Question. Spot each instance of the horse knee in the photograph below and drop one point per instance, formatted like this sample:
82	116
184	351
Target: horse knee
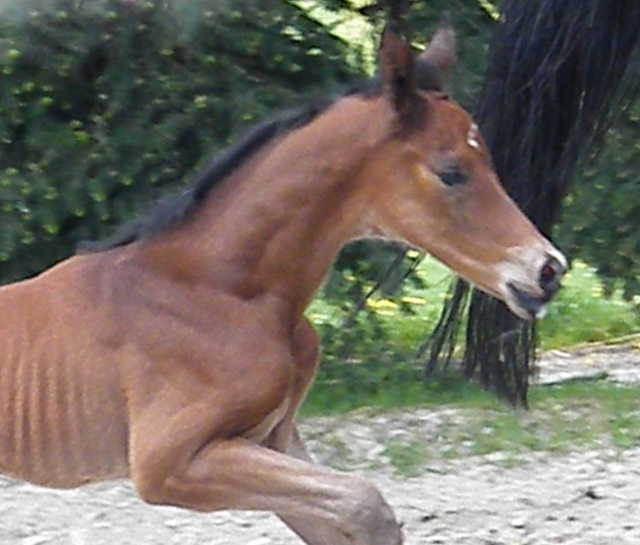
150	492
154	487
371	517
150	486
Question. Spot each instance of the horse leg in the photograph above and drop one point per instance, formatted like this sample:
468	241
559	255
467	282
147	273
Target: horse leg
240	475
287	439
184	452
311	531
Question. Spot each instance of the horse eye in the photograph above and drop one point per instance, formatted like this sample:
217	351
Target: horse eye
452	177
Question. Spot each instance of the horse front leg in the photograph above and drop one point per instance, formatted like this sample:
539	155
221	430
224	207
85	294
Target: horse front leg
286	439
190	451
322	506
312	531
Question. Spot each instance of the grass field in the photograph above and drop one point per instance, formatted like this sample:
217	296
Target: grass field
562	417
580	314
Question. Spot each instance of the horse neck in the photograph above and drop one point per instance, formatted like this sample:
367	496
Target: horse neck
276	225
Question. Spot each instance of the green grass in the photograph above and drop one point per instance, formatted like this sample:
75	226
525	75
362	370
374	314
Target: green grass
408	391
378	372
376	367
605	408
407	458
580	314
561	419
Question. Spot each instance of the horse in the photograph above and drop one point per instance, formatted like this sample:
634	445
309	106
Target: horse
177	353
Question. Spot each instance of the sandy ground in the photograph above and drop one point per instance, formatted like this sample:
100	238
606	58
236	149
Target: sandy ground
581	498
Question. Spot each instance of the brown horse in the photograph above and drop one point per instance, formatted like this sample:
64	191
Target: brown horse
178	354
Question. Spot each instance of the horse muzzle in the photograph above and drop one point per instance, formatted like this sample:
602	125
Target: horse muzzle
527	296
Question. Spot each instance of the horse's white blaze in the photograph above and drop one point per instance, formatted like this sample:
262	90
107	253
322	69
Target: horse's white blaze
473	136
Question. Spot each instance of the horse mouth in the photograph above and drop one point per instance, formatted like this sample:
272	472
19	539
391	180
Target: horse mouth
526	305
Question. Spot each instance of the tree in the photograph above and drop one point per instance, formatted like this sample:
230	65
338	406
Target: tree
106	104
602	215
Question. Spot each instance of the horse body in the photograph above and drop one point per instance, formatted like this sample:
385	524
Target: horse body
61	416
180	360
130	309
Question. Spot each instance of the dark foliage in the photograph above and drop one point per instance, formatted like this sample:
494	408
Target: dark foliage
175	209
106	105
601	217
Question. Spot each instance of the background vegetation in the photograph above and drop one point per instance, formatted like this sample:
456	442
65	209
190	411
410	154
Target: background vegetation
106	104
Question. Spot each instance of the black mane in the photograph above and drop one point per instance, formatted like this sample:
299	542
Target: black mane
172	211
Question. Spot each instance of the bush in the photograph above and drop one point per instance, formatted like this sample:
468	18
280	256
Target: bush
104	104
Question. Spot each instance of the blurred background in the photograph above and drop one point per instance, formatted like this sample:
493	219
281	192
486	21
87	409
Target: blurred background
106	105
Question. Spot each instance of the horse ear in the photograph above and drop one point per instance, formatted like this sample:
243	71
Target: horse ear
441	53
396	64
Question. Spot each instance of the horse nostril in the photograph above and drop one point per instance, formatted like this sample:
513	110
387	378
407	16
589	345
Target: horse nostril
550	275
547	274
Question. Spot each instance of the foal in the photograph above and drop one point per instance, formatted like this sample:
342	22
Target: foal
178	354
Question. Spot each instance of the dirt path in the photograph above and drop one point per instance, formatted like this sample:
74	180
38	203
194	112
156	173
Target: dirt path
582	498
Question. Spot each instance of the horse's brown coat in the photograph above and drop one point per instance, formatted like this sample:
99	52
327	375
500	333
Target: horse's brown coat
180	361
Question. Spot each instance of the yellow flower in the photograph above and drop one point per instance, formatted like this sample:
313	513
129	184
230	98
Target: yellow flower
414	300
384	307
